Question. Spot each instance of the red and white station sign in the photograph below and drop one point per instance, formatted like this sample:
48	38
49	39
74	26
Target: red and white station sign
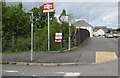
58	37
48	7
58	40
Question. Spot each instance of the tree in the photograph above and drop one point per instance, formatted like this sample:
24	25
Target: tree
63	12
20	5
109	31
16	29
15	24
40	17
15	21
71	18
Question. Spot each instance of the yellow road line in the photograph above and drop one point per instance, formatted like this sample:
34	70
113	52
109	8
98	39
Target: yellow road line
105	56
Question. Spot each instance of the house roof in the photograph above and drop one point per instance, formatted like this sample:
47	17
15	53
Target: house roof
104	29
82	23
96	30
99	27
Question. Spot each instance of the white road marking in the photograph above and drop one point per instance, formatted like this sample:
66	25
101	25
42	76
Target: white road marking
72	74
45	72
69	73
33	75
11	71
60	72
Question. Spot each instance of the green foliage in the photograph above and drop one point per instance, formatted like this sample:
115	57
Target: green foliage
63	12
20	5
41	39
109	31
40	17
15	21
22	44
16	30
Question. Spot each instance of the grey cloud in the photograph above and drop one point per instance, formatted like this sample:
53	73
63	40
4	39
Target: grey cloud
91	11
94	12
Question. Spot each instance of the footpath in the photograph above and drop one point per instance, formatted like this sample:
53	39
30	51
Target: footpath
44	58
50	58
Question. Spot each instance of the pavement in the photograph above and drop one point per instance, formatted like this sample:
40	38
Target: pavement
105	56
84	54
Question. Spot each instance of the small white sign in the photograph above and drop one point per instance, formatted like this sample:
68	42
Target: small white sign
64	18
48	10
58	33
58	37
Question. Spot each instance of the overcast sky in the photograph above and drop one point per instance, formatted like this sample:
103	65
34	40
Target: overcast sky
96	13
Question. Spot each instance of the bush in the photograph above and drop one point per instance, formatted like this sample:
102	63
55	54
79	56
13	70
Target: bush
19	44
22	44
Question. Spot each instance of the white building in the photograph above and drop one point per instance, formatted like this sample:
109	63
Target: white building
84	25
99	32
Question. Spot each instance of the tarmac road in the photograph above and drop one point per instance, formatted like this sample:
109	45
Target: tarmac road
101	69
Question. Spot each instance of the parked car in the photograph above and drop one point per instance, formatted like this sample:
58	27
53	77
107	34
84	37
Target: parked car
102	36
109	36
115	34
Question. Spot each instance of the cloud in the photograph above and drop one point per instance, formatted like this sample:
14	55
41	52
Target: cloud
96	13
109	19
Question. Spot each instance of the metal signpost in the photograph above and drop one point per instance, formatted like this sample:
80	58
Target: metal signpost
31	19
69	37
65	18
48	7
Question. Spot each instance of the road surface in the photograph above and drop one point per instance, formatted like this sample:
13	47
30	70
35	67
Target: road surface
102	69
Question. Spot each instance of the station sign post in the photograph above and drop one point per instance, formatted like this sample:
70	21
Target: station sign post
66	18
48	7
